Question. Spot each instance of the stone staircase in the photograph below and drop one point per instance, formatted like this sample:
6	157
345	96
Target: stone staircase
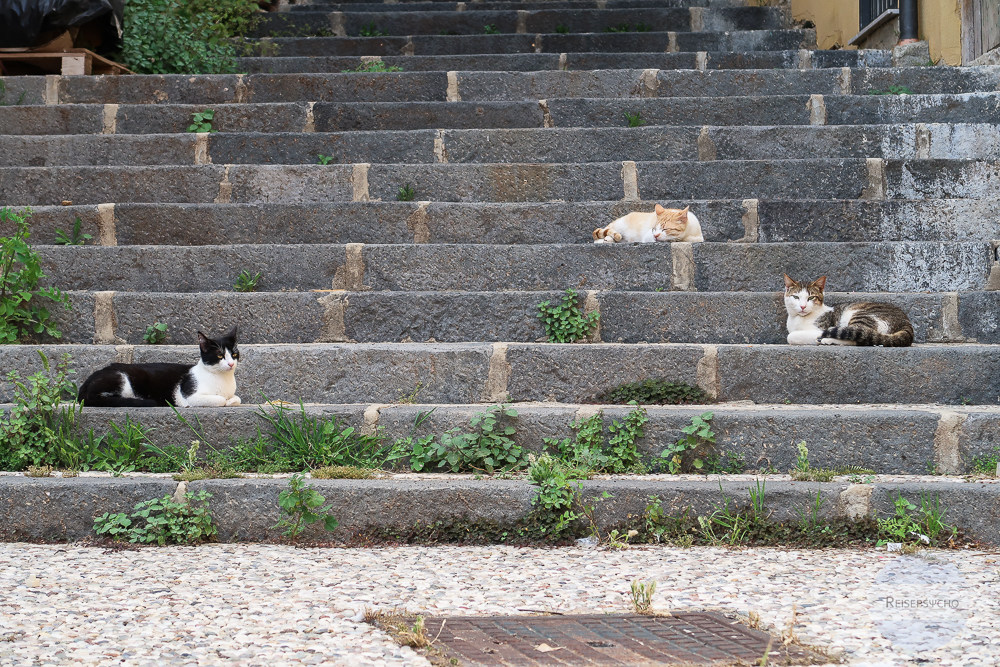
516	147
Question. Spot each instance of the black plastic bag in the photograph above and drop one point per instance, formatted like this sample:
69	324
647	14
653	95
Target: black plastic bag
29	23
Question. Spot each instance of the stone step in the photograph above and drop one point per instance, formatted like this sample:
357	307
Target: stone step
541	145
974	109
904	266
515	223
899	439
574	373
526	62
212	89
372	511
847	178
492	316
531	21
447	45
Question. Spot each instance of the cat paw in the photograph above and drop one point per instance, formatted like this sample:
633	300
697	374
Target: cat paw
829	341
235	400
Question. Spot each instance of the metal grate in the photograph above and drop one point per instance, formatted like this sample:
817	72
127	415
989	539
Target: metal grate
870	10
690	638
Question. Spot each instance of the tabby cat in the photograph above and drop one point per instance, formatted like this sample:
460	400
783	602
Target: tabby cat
662	224
811	322
209	383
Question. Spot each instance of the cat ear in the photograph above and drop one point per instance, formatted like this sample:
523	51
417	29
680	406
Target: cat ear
660	210
820	282
233	332
684	213
203	341
788	281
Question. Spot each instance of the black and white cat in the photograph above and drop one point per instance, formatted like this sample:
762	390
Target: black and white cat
209	383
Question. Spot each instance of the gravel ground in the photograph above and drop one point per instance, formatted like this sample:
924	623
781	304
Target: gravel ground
232	604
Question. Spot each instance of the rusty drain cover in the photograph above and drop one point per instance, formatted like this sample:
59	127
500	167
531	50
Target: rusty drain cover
688	638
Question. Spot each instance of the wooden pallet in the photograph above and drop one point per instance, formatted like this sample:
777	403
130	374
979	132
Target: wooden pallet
67	62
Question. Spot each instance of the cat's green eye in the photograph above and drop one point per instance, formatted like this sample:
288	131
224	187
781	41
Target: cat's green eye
814	298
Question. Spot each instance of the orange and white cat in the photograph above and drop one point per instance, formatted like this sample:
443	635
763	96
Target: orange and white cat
662	224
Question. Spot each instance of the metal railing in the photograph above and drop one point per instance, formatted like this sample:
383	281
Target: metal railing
869	10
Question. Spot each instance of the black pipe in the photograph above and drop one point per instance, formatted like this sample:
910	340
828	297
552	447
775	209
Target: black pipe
907	21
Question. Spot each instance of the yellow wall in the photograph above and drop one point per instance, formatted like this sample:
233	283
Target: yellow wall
836	21
940	23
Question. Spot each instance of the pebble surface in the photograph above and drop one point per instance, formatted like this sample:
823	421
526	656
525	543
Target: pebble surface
252	604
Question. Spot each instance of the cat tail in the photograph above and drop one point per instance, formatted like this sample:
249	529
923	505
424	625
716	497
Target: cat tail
866	336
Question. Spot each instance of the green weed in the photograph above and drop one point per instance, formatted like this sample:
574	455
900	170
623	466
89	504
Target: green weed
406	193
634	119
566	322
162	521
487	446
74	237
688	452
891	90
302	505
155	333
372	66
201	121
655	392
245	282
370	30
23	310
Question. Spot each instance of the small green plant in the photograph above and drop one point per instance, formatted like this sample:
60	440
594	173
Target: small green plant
23	310
488	446
987	464
688	451
155	333
245	282
557	495
804	472
186	37
302	505
201	121
561	29
566	322
372	66
655	392
306	443
621	27
726	463
406	193
490	29
634	119
584	453
370	30
891	90
324	159
642	27
926	525
642	595
162	521
36	429
620	540
623	455
38	471
74	237
411	398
